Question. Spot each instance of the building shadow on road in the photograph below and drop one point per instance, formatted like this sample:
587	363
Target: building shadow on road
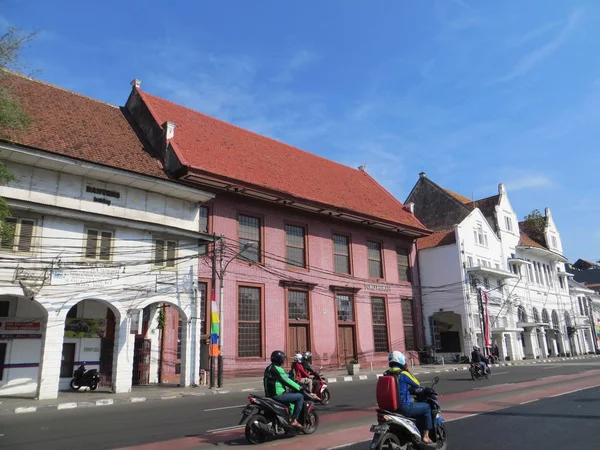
527	415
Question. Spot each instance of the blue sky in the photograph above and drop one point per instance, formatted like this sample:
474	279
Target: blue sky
471	92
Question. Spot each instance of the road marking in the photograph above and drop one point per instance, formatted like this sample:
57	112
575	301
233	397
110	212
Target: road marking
347	378
25	409
500	373
551	367
529	401
249	390
105	401
491	387
572	392
67	405
224	407
218	430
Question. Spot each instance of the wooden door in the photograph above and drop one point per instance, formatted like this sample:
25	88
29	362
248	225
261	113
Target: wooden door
67	360
346	344
297	340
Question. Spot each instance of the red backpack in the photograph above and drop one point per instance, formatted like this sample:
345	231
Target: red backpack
387	392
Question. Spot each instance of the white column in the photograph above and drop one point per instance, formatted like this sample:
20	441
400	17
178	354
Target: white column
187	354
530	344
51	358
123	356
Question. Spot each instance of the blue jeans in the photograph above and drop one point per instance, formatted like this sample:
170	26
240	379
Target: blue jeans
292	397
483	367
420	411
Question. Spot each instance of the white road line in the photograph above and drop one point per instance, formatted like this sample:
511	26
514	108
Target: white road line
529	401
491	387
218	430
572	392
500	373
224	407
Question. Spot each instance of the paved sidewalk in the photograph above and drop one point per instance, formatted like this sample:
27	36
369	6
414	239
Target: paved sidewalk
85	399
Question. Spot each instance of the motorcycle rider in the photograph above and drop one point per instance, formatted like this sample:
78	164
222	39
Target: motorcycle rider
306	363
478	358
301	375
407	384
276	381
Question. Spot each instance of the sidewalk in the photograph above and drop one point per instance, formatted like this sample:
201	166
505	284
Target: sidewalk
139	394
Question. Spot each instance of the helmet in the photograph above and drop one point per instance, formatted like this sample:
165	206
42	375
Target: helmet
475	348
306	356
277	357
298	357
396	357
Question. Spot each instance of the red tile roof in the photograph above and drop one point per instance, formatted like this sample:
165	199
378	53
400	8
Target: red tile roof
460	198
76	126
527	241
223	150
436	240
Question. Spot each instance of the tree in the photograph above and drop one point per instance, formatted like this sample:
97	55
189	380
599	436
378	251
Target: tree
12	116
535	224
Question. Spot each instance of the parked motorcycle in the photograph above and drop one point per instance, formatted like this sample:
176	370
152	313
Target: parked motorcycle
477	371
394	431
267	418
320	388
81	377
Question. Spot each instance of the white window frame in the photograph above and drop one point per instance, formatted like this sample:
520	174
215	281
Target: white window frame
15	244
481	238
164	261
100	232
508	223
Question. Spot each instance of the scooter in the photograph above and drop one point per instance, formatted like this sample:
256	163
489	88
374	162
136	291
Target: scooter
81	377
320	388
394	431
267	418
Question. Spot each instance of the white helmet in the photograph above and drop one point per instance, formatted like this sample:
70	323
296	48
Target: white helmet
298	357
397	357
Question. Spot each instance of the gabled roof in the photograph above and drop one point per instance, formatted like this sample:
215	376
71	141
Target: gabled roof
527	241
225	151
79	127
436	240
532	241
460	198
487	205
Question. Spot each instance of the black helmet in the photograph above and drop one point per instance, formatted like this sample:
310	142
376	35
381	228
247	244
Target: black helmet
277	357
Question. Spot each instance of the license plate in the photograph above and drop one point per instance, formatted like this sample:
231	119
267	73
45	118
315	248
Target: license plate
379	428
247	411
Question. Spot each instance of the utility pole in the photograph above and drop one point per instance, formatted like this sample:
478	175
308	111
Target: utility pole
221	315
481	317
212	297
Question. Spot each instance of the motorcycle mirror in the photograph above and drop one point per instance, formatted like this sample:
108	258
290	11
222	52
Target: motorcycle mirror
436	380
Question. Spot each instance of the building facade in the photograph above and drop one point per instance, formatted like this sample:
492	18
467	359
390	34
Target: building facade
483	258
315	255
102	243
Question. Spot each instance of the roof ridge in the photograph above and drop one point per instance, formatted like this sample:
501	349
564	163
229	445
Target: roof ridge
54	86
246	130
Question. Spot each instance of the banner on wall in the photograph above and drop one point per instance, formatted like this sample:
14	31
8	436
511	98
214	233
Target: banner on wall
85	328
19	326
598	329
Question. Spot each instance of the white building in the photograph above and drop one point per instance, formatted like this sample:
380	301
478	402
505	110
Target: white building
481	245
584	322
101	235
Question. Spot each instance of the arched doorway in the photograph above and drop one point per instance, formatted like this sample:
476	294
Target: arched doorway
22	329
90	337
161	352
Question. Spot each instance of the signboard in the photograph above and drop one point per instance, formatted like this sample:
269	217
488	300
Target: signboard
85	328
90	277
378	287
102	195
19	326
8	337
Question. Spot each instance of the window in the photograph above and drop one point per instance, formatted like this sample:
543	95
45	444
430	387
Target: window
179	336
249	322
508	223
469	261
67	361
500	286
480	236
537	272
297	305
403	264
72	313
530	272
345	308
165	253
380	332
295	246
249	238
341	253
2	359
561	282
374	253
204	228
554	243
5	308
205	318
407	321
20	239
98	245
486	283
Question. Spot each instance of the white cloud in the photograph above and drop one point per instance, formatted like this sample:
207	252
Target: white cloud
299	61
529	181
529	61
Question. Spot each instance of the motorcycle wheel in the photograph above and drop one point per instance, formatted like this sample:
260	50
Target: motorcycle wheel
94	386
74	386
473	375
311	423
326	397
441	437
487	376
391	442
252	432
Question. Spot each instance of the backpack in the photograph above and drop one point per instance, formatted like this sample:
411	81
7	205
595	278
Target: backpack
387	392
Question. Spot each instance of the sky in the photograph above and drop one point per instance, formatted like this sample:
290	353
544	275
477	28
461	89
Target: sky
473	93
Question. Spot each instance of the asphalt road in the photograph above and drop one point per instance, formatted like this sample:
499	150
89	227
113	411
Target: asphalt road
568	422
113	427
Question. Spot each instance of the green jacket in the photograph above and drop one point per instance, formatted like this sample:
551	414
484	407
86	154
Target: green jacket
276	380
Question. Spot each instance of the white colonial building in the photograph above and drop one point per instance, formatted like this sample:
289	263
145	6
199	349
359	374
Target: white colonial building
480	246
102	241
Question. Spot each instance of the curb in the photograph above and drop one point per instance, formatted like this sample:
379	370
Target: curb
217	391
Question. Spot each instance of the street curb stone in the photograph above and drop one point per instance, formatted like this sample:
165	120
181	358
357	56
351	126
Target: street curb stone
342	379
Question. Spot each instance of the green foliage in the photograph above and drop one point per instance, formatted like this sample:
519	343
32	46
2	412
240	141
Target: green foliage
162	316
535	223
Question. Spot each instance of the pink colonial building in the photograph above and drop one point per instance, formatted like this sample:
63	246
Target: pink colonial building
318	256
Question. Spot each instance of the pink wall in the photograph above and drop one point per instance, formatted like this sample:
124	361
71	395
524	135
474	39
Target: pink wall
322	304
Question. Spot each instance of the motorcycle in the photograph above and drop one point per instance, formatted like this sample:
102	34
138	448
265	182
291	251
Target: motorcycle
267	418
394	431
81	377
477	372
320	388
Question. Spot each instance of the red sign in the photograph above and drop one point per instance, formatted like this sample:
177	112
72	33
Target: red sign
8	337
17	326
